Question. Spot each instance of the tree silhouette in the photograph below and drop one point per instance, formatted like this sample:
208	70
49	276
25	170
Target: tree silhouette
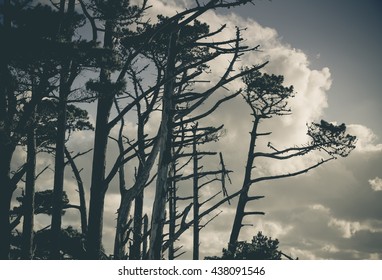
267	97
261	247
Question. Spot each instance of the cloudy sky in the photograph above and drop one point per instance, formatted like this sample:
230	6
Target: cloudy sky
330	52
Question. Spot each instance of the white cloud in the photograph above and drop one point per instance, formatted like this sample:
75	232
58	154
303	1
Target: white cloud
330	248
366	139
348	229
375	256
320	208
376	184
274	229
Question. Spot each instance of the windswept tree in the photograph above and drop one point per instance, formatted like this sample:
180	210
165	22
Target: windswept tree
267	97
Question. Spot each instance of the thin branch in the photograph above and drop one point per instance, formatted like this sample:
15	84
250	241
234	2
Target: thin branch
267	178
210	220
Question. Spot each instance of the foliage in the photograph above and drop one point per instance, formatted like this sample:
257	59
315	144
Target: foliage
77	119
43	202
72	244
260	248
266	94
331	138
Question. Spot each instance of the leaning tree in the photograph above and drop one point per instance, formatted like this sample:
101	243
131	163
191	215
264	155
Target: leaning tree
266	97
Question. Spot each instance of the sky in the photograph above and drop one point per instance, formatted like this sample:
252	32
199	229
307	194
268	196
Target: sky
344	36
330	52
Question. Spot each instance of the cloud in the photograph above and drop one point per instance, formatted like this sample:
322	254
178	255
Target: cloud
330	248
348	229
376	184
320	208
366	139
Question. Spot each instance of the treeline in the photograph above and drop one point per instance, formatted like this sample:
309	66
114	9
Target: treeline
58	55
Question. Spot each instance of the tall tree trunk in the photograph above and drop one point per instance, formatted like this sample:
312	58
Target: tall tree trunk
59	164
81	192
136	253
195	254
137	231
145	236
172	213
28	202
5	199
6	146
243	198
158	212
98	185
59	169
121	231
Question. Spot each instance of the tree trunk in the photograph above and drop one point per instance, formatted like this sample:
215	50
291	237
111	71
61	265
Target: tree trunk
59	164
172	213
195	199
98	185
6	147
5	199
137	232
145	236
121	231
136	253
59	170
81	192
158	212
243	198
28	202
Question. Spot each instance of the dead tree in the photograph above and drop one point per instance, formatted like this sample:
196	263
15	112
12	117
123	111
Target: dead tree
267	97
157	218
185	153
140	147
